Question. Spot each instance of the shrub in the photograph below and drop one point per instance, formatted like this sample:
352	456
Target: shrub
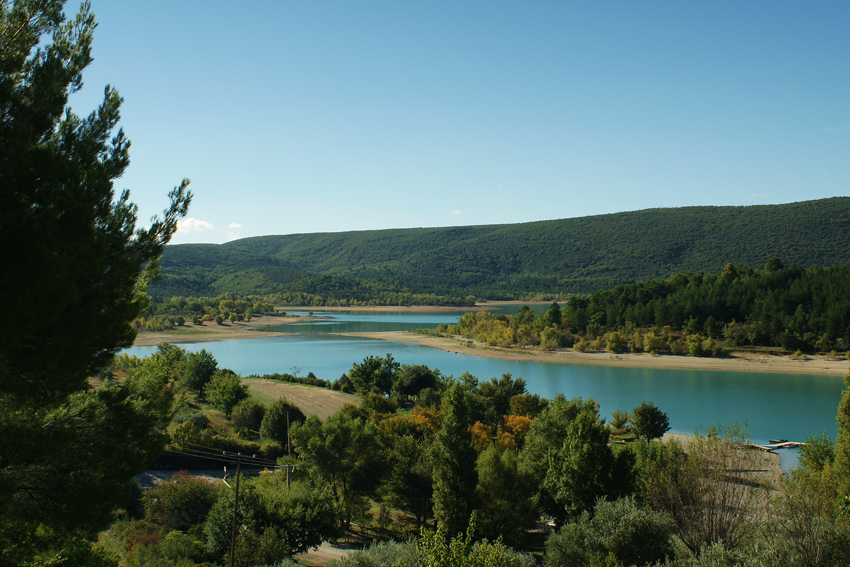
181	502
616	342
274	424
380	554
621	529
619	419
247	416
197	418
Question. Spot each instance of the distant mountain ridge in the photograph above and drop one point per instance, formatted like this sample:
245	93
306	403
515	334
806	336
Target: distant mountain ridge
557	256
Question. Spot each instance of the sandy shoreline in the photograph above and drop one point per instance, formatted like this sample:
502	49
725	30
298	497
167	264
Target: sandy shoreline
402	308
210	331
740	362
736	362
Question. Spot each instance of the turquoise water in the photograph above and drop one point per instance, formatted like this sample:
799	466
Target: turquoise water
791	406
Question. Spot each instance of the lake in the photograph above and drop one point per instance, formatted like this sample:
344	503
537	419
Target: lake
774	405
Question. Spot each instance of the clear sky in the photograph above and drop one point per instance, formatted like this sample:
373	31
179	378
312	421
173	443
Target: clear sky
299	117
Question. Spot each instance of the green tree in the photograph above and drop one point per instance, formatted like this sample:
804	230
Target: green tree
248	416
75	270
498	395
648	422
504	494
408	484
841	467
529	405
543	444
343	454
552	316
413	378
619	419
274	521
453	459
224	390
816	453
274	425
581	471
374	374
196	370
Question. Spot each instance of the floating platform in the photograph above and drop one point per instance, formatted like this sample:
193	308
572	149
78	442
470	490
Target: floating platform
771	448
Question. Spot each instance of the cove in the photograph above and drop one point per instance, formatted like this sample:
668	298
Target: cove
774	405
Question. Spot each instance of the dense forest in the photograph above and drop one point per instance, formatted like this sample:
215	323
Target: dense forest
547	258
791	308
705	314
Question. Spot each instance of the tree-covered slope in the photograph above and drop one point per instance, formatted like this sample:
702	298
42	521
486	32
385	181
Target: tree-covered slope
211	269
568	255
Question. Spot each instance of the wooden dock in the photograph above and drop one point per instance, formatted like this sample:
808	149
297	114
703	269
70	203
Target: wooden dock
771	448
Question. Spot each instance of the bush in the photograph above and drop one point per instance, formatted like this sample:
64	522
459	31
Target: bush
196	418
274	425
630	533
344	384
436	550
181	502
717	555
247	416
379	555
310	379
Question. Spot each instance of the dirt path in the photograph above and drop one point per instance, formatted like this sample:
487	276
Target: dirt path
325	553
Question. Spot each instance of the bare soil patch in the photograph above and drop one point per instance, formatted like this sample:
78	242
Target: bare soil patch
310	400
211	331
760	460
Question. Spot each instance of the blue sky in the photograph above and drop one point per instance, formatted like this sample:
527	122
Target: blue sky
300	117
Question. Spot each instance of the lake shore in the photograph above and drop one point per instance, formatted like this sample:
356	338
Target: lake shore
211	331
736	362
416	308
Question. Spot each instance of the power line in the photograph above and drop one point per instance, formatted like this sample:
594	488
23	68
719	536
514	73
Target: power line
222	457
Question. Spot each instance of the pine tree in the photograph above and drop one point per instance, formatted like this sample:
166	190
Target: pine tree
841	466
75	270
454	460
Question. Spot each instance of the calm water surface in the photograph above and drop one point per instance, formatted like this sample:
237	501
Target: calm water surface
792	406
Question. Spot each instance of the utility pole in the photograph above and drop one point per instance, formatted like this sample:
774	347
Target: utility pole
235	511
289	445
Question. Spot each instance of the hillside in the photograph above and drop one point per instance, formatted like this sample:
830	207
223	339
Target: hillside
558	256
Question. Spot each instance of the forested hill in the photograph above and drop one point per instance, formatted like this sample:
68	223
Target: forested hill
570	255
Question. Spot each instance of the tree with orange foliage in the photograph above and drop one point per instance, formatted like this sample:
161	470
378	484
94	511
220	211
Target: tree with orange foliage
482	436
513	431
